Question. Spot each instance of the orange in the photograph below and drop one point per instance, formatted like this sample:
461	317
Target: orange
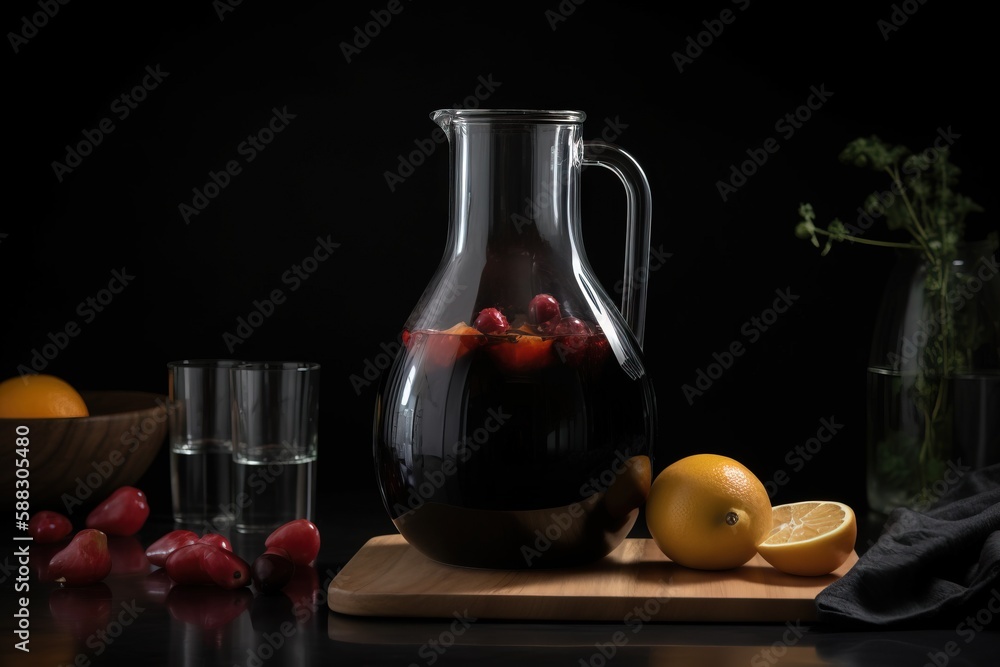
810	538
33	396
708	512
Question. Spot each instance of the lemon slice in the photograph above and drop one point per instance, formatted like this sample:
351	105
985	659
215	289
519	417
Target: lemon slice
810	538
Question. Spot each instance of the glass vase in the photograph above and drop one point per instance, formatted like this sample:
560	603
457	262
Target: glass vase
934	377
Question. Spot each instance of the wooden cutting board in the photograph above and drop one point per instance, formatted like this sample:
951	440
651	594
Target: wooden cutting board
635	582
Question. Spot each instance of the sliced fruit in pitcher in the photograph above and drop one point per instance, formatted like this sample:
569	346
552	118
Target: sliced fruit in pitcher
521	353
443	348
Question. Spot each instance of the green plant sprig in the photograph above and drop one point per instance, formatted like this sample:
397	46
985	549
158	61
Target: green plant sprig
922	202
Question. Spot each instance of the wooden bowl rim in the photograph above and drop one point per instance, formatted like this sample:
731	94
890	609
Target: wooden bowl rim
103	416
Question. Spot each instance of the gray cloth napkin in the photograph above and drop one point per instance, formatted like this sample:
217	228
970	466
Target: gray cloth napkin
927	568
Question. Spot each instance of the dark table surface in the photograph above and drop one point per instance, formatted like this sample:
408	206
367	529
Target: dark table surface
132	619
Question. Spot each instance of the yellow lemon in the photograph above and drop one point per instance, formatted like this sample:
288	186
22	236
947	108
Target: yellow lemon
33	396
810	538
708	512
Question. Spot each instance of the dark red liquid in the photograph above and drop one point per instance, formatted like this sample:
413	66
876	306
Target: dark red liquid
499	451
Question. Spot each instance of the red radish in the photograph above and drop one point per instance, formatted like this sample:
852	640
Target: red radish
158	551
206	564
216	540
85	560
272	570
122	513
47	527
299	537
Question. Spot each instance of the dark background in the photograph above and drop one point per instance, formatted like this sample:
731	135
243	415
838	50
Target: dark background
324	176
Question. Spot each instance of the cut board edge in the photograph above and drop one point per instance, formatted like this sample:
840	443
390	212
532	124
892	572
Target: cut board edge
347	595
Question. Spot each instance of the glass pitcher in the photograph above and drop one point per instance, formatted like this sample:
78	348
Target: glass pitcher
515	427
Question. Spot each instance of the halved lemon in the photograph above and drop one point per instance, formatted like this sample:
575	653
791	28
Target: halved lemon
810	538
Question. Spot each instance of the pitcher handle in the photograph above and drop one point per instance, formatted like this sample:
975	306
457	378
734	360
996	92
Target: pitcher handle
637	231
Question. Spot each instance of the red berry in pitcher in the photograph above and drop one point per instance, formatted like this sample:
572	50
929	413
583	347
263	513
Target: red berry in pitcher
158	551
206	564
491	321
572	338
272	570
85	560
543	309
122	513
47	527
300	538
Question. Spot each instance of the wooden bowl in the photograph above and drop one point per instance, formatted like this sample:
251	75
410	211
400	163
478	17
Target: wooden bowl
77	461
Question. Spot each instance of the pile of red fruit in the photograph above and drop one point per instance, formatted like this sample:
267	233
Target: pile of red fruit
87	559
183	555
209	559
548	336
